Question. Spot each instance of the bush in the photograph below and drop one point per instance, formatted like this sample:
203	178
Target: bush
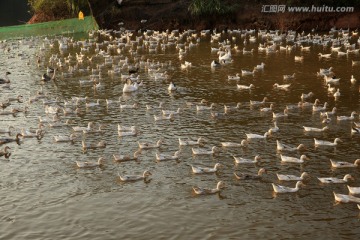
211	7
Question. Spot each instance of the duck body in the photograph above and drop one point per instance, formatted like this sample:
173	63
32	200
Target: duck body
326	143
284	147
199	151
342	164
90	164
199	170
313	129
240	160
346	178
188	142
293	159
232	144
343	198
205	191
101	144
283	189
150	145
166	157
62	138
353	190
125	158
288	177
256	136
249	176
131	178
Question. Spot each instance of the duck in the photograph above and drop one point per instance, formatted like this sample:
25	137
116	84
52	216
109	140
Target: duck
352	79
6	79
9	140
254	103
346	198
283	189
215	64
7	130
5	152
85	146
353	190
319	108
164	117
327	143
129	87
129	106
284	147
229	109
200	151
274	129
289	77
287	177
39	133
202	108
234	78
257	136
204	191
247	72
93	104
267	109
124	158
282	86
248	176
80	129
131	178
281	115
240	160
147	145
293	159
47	78
168	112
305	96
63	138
337	93
199	170
245	87
347	118
189	142
165	157
345	179
172	87
243	143
87	164
328	114
160	106
124	133
313	129
343	164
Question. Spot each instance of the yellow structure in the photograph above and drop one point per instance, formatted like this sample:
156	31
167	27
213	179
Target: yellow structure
81	15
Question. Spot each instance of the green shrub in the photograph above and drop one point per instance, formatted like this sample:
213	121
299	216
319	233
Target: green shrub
210	7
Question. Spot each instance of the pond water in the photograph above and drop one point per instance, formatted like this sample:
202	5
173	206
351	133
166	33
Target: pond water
44	195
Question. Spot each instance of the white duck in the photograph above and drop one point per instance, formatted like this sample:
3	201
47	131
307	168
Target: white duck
202	108
293	159
281	115
248	176
93	104
287	177
165	157
204	191
352	79
347	118
168	112
283	189
345	179
245	87
243	143
267	109
124	158
80	129
164	117
255	103
85	146
342	164
313	129
199	170
129	87
172	87
234	78
305	96
257	136
282	86
188	142
327	143
200	151
288	77
346	198
146	145
62	138
130	178
90	164
284	147
320	108
353	190
240	160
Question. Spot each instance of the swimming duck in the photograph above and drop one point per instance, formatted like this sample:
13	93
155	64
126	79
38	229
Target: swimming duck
293	159
240	160
283	147
346	118
149	107
6	80
282	86
130	178
342	164
47	78
247	72
93	104
352	79
165	157
200	151
124	133
129	86
320	108
168	112
326	143
5	152
124	158
229	109
288	77
90	164
8	130
164	117
232	144
215	64
62	138
245	87
199	170
305	96
283	189
248	176
101	144
204	191
353	190
274	129
328	114
188	142
345	179
129	106
202	108
172	87
286	177
150	145
280	115
234	78
257	136
254	103
312	129
80	129
267	109
8	140
346	198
